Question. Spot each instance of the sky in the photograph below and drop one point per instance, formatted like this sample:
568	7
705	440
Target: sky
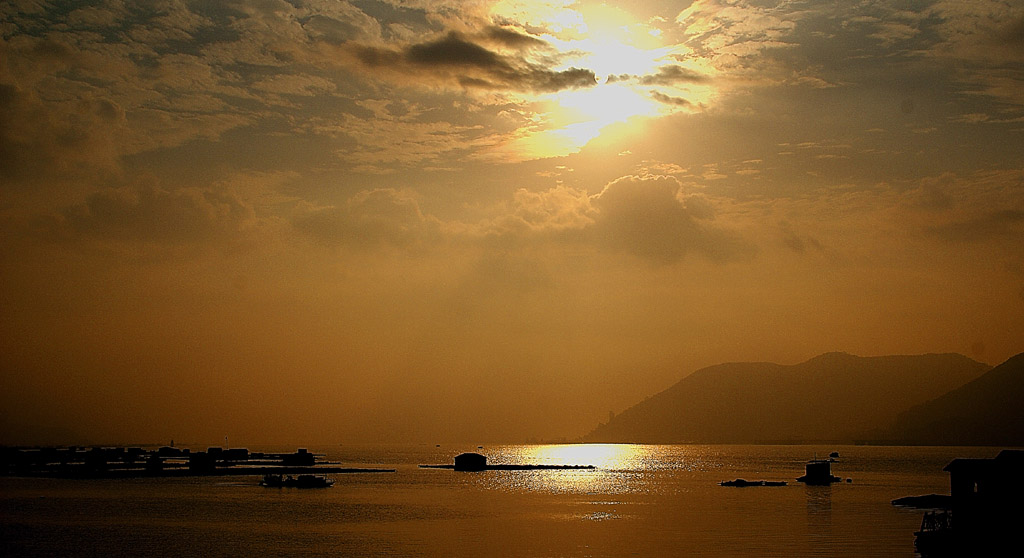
324	221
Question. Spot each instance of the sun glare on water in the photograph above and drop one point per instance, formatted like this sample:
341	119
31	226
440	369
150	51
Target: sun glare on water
601	456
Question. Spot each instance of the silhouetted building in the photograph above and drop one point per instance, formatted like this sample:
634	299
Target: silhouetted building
154	464
235	454
202	462
302	458
984	507
818	471
470	462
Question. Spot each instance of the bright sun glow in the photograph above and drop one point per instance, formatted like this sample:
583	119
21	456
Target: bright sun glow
619	50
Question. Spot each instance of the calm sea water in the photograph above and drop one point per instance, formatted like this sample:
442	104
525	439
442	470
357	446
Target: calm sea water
642	500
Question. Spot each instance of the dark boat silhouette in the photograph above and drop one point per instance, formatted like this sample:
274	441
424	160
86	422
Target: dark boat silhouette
301	481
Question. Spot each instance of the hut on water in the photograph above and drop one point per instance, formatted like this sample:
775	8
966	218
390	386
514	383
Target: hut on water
470	462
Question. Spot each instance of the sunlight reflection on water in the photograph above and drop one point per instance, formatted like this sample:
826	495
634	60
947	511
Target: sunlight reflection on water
611	457
618	468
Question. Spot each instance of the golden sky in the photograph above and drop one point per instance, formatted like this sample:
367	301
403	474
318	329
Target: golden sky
331	221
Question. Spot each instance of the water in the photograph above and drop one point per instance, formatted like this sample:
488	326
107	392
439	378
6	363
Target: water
642	500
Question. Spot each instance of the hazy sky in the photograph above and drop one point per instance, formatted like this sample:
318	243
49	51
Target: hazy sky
319	220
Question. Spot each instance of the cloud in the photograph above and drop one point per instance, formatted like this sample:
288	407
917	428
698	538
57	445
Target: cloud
455	57
149	213
647	217
370	218
511	38
984	37
672	75
38	143
728	27
651	218
453	50
560	209
669	99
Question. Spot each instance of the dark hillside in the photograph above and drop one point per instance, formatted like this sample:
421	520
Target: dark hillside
834	396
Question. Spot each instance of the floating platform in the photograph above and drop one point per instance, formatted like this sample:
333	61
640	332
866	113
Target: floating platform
744	482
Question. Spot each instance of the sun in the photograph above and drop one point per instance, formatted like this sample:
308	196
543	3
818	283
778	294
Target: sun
618	49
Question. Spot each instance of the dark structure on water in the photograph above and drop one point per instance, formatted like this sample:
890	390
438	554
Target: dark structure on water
167	461
474	462
984	511
470	462
818	472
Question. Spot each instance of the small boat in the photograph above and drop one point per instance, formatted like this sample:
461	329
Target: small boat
301	481
834	455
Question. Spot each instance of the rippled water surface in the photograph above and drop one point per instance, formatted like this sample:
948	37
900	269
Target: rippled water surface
641	500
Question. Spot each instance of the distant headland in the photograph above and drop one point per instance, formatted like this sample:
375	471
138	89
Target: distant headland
834	398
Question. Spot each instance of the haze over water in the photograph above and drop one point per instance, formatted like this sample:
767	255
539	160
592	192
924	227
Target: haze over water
640	501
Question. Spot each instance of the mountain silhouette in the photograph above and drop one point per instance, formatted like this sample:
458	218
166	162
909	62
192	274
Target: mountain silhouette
832	397
986	411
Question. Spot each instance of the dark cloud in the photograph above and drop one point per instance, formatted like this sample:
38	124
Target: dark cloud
669	100
573	78
472	65
673	75
377	57
513	39
453	50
